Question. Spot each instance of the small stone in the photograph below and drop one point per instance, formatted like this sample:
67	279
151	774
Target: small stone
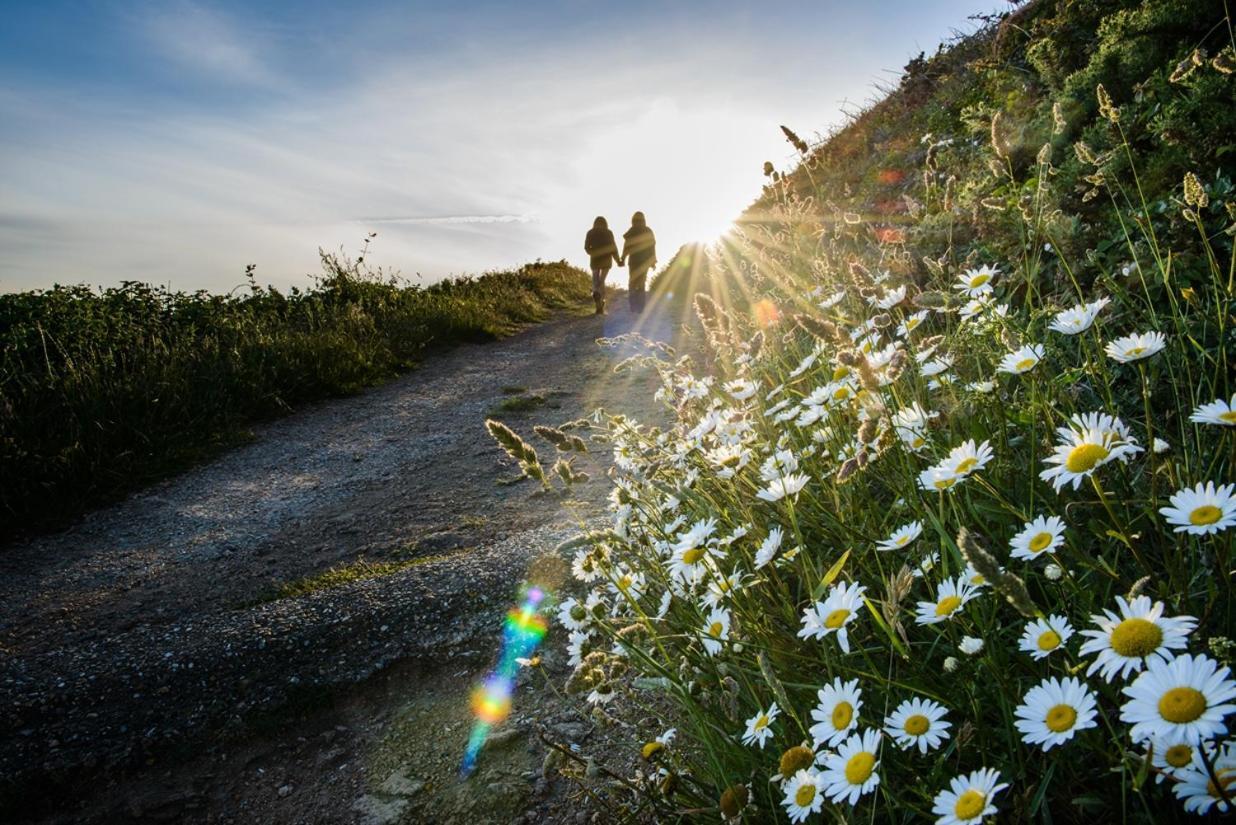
285	791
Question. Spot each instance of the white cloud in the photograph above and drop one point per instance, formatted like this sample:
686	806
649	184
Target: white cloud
207	42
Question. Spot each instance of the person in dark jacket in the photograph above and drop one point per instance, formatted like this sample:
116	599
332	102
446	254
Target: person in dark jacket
639	253
602	250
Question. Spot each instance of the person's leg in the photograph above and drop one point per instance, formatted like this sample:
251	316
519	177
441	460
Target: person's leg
598	289
635	291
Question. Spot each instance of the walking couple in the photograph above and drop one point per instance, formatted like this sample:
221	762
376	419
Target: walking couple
639	254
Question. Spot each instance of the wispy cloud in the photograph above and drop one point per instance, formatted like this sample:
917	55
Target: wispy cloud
208	42
449	219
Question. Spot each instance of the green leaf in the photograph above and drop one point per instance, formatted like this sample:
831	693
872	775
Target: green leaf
892	637
831	575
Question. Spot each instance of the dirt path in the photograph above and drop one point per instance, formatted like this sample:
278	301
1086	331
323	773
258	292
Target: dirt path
142	647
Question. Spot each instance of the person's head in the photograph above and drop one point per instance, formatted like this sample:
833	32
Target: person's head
600	223
638	219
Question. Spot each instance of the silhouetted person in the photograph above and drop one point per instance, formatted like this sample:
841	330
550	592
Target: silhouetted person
600	245
639	252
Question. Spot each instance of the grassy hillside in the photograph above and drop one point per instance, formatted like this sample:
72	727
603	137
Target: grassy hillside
945	528
103	392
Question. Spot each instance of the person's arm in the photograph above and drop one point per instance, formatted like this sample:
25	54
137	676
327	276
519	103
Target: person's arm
588	243
653	248
622	259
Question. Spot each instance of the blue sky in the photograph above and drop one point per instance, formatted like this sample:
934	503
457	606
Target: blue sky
176	142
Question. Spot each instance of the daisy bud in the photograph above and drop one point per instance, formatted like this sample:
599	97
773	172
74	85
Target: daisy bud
733	801
797	758
970	645
1161	446
950	664
1053	572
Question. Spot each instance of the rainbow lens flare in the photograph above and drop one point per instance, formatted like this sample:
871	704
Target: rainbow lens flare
522	633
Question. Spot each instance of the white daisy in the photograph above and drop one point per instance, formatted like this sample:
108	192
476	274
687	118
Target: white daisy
918	723
1042	637
1202	510
850	773
938	479
1135	347
970	645
837	712
982	387
1039	538
974	282
833	614
1183	700
741	388
716	631
951	597
1053	710
968	799
782	487
1139	635
1170	757
1021	360
911	323
1218	412
1199	791
1079	318
758	726
902	536
1079	452
968	458
689	564
891	298
803	795
769	547
832	300
572	615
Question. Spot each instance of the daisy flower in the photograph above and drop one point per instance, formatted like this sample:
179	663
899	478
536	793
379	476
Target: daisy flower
970	645
803	795
1042	637
968	799
832	300
1183	700
833	614
782	487
1171	757
952	595
983	387
1135	347
902	536
769	547
1038	538
572	615
716	630
689	564
1202	510
837	712
1079	453
911	323
741	389
1139	635
975	282
758	730
891	298
1079	318
918	723
851	772
1053	710
1198	790
968	458
1021	360
938	479
1216	412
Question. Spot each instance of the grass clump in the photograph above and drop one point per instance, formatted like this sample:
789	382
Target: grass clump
947	498
102	392
359	570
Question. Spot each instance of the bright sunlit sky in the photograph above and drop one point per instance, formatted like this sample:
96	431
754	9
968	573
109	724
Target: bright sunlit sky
176	142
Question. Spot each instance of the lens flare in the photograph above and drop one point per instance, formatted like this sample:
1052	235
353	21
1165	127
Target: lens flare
522	632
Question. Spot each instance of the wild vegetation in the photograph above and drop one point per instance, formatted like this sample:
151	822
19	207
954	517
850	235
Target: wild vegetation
102	392
944	526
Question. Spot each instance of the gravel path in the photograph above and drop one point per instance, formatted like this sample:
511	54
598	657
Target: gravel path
147	629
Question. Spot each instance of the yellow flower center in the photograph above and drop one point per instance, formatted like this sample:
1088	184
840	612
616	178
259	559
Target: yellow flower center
624	583
693	555
843	714
1083	457
911	323
970	804
762	722
901	541
1182	705
1227	777
916	725
1048	640
1040	542
841	393
1229	417
1136	638
979	280
836	619
1135	350
1178	756
1206	514
1061	718
795	759
840	372
859	767
1025	364
944	483
918	441
804	795
947	605
967	465
714	630
650	749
